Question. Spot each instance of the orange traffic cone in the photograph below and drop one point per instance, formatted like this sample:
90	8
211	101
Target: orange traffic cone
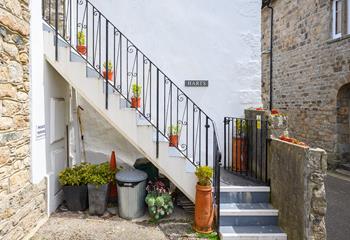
113	186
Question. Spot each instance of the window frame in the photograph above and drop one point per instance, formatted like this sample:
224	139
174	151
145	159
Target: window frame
334	18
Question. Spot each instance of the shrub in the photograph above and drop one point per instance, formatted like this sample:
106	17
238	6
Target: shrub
75	176
174	129
136	90
109	64
81	38
100	174
204	175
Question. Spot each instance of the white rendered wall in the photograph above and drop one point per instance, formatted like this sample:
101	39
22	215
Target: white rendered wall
37	118
210	40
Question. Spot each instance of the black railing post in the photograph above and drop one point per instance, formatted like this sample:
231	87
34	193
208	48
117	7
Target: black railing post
106	64
206	139
225	132
157	150
56	29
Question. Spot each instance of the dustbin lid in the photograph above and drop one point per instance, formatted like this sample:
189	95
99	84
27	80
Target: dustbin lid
131	176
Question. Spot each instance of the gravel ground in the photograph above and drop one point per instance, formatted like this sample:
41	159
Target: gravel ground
81	226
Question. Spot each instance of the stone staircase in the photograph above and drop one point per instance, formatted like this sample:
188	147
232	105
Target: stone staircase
245	214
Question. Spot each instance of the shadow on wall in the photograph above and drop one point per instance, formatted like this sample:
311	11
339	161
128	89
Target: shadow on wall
101	138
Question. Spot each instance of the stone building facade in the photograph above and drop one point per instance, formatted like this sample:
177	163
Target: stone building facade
22	204
311	72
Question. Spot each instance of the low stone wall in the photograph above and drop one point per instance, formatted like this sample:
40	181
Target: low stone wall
297	189
22	204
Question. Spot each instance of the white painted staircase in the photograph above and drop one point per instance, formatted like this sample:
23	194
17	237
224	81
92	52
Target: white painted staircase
127	121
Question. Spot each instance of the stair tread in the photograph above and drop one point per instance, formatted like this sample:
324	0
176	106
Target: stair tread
343	172
246	206
251	230
345	166
244	189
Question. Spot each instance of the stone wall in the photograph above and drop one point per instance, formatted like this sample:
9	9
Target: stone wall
22	204
309	68
297	189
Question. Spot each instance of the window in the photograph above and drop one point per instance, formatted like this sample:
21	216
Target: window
337	19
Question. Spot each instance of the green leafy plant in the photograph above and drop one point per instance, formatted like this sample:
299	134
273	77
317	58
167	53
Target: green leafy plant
136	90
174	130
75	176
109	64
100	174
158	200
209	236
204	175
81	38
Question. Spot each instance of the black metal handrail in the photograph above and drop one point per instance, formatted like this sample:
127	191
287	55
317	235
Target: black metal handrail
128	71
245	148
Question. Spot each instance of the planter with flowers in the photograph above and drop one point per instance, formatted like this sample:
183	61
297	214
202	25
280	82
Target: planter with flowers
174	133
98	178
81	48
159	200
136	99
75	191
109	75
204	210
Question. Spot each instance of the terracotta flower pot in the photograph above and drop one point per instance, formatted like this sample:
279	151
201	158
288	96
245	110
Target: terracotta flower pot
81	50
173	140
110	75
135	102
204	211
239	154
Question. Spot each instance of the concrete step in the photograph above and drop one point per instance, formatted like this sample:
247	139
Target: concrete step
252	233
248	214
244	194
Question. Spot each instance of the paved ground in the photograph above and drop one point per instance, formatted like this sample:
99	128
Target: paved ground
338	208
65	225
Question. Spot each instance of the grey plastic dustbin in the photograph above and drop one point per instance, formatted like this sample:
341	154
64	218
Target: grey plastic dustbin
131	186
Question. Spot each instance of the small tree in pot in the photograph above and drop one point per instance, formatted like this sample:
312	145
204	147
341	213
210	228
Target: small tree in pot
204	211
98	178
136	99
81	48
174	132
108	74
75	190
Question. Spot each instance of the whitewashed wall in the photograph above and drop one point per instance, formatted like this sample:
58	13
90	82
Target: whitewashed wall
210	40
37	106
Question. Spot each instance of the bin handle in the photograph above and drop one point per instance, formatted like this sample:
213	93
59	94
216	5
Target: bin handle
127	184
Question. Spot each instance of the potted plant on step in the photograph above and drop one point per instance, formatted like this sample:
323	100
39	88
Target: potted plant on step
239	146
81	48
204	210
136	99
174	132
158	200
98	178
75	190
110	71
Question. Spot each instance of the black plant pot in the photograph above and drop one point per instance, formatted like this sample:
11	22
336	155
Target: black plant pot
76	197
97	199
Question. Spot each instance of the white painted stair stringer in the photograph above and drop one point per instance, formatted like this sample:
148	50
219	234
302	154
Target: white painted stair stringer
123	120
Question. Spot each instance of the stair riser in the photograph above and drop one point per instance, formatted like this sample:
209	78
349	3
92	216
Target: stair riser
262	237
248	220
244	197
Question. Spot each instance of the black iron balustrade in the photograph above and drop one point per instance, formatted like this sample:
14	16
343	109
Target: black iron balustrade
124	68
245	147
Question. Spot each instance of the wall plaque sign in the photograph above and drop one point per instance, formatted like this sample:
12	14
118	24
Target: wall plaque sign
196	83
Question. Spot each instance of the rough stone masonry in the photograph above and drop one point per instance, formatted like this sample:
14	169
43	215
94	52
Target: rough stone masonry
310	72
22	204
